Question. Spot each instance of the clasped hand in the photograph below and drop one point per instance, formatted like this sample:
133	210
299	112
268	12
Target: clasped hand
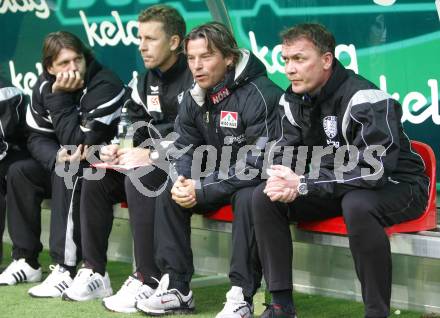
79	154
282	184
112	154
184	192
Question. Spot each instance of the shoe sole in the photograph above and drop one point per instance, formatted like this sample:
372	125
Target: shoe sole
123	311
39	296
67	298
43	296
64	296
23	282
182	311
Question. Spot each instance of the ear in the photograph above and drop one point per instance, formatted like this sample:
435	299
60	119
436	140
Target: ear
51	71
327	60
229	61
174	42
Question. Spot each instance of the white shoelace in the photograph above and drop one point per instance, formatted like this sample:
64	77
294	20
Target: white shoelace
54	276
161	289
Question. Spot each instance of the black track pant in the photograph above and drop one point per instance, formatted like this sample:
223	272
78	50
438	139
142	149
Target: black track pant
10	158
173	240
28	185
97	200
365	212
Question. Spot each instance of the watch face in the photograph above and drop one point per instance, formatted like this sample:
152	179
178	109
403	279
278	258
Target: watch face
302	189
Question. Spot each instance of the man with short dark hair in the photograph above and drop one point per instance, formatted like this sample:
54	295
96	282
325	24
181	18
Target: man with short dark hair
12	140
154	99
231	108
359	126
75	102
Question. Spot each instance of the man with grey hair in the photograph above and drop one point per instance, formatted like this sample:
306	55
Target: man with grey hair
231	107
329	106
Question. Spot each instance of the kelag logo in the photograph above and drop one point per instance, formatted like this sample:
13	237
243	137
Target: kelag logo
109	29
97	10
393	43
374	40
40	8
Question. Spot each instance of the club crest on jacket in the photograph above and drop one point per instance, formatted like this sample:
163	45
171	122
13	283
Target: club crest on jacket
330	126
228	119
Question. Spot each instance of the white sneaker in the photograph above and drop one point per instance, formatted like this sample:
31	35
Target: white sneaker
20	272
125	299
54	284
235	305
166	301
88	285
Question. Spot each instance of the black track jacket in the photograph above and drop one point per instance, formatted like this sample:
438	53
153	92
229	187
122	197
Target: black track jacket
155	97
12	115
239	111
350	110
88	116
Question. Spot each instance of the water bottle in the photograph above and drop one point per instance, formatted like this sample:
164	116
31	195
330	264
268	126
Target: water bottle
125	130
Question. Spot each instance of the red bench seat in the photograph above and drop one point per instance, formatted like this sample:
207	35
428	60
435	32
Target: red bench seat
336	225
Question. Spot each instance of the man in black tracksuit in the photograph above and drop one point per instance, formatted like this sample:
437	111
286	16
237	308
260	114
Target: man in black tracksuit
75	102
230	110
379	182
12	139
155	98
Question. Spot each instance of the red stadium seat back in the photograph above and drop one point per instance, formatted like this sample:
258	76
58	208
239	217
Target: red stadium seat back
336	225
223	214
427	221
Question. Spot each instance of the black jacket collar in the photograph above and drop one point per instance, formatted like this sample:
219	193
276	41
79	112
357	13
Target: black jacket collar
177	68
153	77
247	69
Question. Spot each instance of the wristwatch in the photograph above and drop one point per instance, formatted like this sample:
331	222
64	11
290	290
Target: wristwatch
302	186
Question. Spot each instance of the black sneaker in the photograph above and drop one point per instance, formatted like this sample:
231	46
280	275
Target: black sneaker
277	311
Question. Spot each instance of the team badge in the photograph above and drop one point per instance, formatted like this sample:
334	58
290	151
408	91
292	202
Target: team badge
330	126
180	97
154	89
153	103
228	119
